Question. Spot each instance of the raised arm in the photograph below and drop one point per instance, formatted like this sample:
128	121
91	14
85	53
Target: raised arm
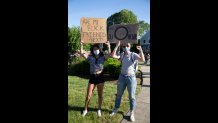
141	54
113	54
109	50
82	52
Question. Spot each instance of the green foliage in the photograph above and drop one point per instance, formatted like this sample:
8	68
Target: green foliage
77	88
74	40
69	40
123	17
86	47
79	66
127	17
112	66
143	27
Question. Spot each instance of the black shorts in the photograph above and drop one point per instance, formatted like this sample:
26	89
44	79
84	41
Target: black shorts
96	79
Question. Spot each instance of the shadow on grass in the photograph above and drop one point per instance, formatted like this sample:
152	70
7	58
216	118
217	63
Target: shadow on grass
80	109
126	118
107	77
145	85
140	63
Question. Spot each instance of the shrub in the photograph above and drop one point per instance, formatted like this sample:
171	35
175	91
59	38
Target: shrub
79	66
108	61
112	66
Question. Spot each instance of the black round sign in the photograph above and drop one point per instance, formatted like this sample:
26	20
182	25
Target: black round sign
121	33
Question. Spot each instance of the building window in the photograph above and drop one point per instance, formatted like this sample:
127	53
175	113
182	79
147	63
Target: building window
144	41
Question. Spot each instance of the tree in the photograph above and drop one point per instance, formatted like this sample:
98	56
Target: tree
74	40
87	47
69	40
143	27
127	17
123	17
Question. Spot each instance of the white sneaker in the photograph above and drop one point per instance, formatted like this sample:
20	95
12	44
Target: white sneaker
84	113
132	118
114	112
99	113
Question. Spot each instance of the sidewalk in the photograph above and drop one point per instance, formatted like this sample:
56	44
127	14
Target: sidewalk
142	112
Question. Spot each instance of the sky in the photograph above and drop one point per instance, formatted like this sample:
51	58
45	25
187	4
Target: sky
105	8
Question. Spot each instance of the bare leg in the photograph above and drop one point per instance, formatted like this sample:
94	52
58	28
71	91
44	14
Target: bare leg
90	90
100	88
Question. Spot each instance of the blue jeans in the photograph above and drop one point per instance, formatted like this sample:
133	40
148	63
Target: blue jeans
130	82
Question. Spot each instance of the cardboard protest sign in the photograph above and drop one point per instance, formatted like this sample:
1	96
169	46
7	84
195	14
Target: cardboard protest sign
123	33
93	30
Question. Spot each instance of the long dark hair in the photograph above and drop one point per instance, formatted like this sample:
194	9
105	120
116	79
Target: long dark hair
92	53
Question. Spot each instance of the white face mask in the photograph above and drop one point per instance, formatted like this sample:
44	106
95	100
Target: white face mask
126	49
96	52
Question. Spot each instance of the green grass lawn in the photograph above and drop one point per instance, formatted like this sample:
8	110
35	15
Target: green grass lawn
77	88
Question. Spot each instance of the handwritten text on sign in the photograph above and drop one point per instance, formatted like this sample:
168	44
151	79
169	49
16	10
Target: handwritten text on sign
123	33
93	30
